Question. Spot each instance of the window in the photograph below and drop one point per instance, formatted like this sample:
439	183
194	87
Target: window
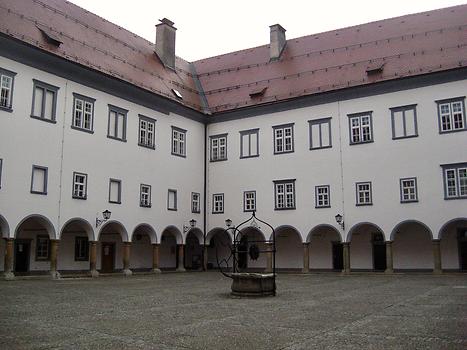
218	147
455	181
363	193
218	203
117	123
147	134
283	138
83	113
178	142
80	185
409	190
195	202
39	179
249	201
404	122
44	101
42	247
322	195
6	89
115	191
320	133
172	200
360	128
451	115
81	249
284	194
145	196
249	143
1	167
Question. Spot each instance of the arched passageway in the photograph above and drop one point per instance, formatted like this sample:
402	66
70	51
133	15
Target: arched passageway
218	247
289	248
194	249
248	237
325	248
453	242
142	250
171	249
4	233
367	247
110	254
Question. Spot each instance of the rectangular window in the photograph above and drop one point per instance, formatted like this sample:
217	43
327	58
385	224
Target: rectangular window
80	183
360	128
195	202
284	193
249	143
218	203
172	200
1	168
408	190
42	247
249	201
363	190
322	195
44	101
404	122
147	132
451	114
117	123
81	249
83	113
145	196
39	179
115	191
178	142
6	89
320	133
283	139
455	181
218	147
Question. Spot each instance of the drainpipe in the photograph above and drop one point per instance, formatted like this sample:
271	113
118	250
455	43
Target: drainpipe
204	194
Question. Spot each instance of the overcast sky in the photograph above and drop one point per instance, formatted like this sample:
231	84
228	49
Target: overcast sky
211	27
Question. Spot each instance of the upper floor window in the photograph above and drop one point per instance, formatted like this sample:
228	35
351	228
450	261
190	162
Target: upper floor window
404	122
44	101
42	247
249	143
249	201
284	194
172	200
147	132
6	89
218	203
363	194
39	179
178	142
115	191
322	195
83	112
360	128
195	202
81	249
80	184
408	190
451	114
145	196
320	133
283	138
218	147
455	181
117	123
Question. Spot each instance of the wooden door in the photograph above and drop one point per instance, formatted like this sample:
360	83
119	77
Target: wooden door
108	257
462	245
22	253
337	256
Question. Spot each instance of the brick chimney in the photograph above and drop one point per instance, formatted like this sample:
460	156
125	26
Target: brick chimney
278	41
165	42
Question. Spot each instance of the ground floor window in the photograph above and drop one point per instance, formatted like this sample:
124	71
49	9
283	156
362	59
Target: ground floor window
42	248
81	249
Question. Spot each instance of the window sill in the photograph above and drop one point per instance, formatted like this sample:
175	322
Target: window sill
145	205
196	212
322	206
253	156
292	208
217	212
317	148
363	204
52	121
82	198
82	129
112	202
82	259
6	109
179	155
249	210
116	138
404	137
146	146
410	201
218	160
284	152
172	209
451	198
360	143
452	131
37	192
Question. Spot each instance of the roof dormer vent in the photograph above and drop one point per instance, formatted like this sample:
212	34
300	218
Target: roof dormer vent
375	68
49	35
258	92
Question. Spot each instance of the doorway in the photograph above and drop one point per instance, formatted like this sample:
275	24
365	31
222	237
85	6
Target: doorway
379	252
22	253
337	256
108	257
462	244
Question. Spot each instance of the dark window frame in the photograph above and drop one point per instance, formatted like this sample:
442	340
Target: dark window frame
1	170
119	195
319	122
244	201
360	115
149	121
403	109
85	186
402	200
249	133
285	182
357	192
451	100
180	131
45	87
455	167
175	207
40	258
84	99
214	205
317	206
283	127
217	137
141	204
46	176
199	203
118	111
10	74
86	252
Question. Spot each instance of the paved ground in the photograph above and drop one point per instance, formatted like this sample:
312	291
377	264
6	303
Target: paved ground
195	311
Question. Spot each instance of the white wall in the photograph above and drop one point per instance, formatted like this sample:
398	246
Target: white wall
66	253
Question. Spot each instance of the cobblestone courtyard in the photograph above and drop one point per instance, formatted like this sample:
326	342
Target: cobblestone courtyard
195	311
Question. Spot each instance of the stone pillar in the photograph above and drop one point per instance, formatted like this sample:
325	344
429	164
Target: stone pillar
8	264
126	258
155	258
53	258
346	257
93	259
437	257
389	260
205	258
269	248
306	257
181	260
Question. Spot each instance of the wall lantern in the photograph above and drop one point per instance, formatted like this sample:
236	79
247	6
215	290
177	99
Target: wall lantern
106	216
339	220
192	225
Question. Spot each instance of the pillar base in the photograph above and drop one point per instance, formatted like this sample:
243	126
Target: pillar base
345	272
9	276
437	272
305	271
181	269
127	272
55	275
389	271
94	273
156	271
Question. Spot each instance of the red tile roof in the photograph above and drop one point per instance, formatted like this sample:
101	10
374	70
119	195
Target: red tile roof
379	51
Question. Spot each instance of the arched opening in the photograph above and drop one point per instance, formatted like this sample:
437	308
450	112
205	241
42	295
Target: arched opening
110	247
453	244
325	248
194	249
219	247
289	248
32	249
249	237
169	252
141	248
367	247
412	246
73	254
4	233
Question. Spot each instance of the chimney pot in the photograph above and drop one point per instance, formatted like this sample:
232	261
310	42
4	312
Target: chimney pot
277	42
165	42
